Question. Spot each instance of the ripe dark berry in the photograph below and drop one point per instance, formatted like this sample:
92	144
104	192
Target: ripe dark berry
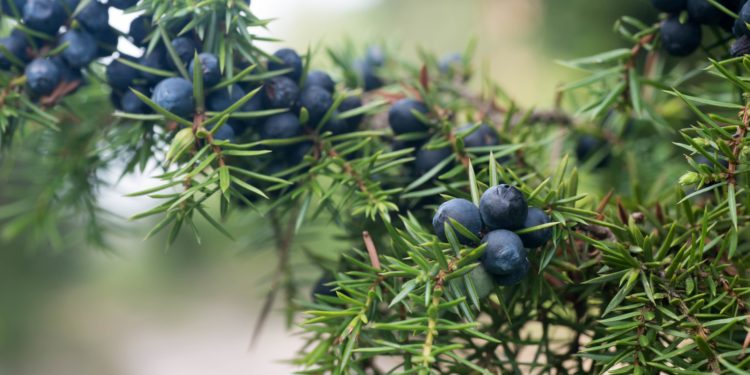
740	25
122	4
42	76
669	6
222	99
428	159
94	16
374	56
107	39
503	207
352	102
156	60
680	39
296	152
288	58
81	49
463	212
322	289
175	95
368	75
401	118
225	133
505	254
6	9
452	65
44	15
740	28
209	68
741	46
514	277
132	104
121	76
284	125
483	136
589	146
67	74
140	28
336	125
703	12
185	49
536	238
16	45
317	101
70	6
321	79
280	92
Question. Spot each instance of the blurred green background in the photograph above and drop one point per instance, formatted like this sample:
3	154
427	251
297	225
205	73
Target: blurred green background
135	309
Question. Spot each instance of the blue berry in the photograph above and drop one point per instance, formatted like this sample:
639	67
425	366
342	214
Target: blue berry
108	39
280	92
225	133
426	159
451	64
701	11
220	100
140	28
589	146
536	238
81	49
42	76
284	125
67	74
505	254
463	212
122	4
175	95
44	15
483	136
322	289
514	277
185	49
374	56
6	9
503	207
352	102
317	101
94	16
121	76
16	45
336	125
288	58
130	103
401	118
320	79
209	68
680	39
669	6
156	60
368	75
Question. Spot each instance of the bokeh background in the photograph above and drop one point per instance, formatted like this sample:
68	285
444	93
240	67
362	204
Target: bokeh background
135	309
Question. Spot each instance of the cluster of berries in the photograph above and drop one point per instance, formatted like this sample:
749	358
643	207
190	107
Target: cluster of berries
502	210
682	36
55	43
292	90
406	117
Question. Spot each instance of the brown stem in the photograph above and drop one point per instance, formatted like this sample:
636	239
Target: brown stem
737	145
283	238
